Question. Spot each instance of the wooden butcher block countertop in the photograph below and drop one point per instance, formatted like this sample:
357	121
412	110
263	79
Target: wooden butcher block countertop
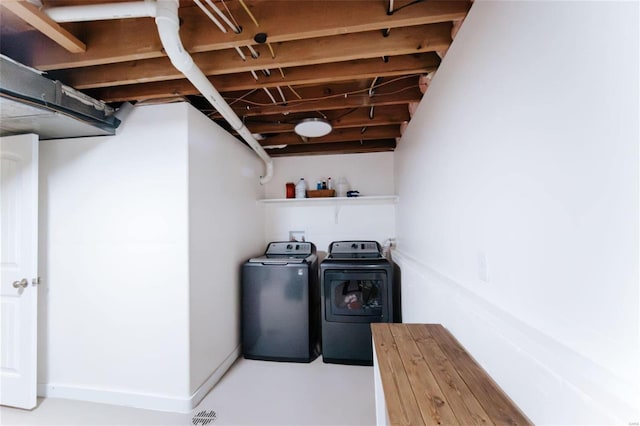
428	379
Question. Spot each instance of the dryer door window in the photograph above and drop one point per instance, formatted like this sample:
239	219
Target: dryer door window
355	296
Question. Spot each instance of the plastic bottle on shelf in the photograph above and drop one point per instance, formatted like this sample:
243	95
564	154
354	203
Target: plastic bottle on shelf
342	187
301	188
329	183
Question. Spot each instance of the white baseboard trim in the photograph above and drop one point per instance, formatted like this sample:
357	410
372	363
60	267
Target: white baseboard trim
215	377
115	397
137	399
550	382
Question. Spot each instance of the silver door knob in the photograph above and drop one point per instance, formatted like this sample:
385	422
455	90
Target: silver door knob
23	283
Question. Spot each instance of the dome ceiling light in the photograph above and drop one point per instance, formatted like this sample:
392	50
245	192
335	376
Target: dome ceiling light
313	127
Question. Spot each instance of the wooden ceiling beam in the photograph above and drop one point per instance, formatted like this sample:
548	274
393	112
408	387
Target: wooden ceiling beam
356	117
351	147
38	20
337	135
347	47
304	75
110	41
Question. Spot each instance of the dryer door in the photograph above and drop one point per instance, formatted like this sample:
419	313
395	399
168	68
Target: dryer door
355	296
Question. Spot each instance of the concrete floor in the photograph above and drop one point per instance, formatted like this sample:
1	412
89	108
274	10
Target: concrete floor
251	393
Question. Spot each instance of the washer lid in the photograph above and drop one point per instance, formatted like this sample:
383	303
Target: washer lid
279	259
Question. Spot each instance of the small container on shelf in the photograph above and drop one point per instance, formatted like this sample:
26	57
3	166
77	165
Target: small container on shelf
320	193
290	190
342	187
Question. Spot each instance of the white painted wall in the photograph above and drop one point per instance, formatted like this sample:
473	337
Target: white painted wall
114	315
371	174
518	212
141	240
226	227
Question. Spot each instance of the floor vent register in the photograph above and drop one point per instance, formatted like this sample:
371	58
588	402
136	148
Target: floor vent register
204	418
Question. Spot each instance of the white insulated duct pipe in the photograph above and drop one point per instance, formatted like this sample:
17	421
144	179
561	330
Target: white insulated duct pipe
101	12
168	28
168	23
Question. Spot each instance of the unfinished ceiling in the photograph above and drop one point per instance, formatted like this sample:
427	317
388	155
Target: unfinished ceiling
361	65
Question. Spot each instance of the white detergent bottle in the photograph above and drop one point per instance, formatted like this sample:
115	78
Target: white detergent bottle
342	187
301	188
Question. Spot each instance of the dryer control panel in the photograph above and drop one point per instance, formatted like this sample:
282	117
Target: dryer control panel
351	247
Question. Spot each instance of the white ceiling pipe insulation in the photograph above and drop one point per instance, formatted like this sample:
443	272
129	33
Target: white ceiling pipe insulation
101	12
168	27
168	23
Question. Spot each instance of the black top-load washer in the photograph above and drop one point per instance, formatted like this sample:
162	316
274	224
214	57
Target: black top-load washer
280	304
357	289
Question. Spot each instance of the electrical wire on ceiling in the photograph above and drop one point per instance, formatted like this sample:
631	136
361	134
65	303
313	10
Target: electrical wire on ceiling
246	9
294	92
234	27
210	15
284	100
273	54
262	104
295	120
372	89
242	55
254	54
270	95
392	10
232	18
336	95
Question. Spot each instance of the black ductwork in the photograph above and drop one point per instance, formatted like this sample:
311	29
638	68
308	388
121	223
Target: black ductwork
32	103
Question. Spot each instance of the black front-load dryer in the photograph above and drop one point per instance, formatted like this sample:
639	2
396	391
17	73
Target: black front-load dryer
357	289
280	304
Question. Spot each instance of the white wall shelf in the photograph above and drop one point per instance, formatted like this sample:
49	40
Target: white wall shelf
337	201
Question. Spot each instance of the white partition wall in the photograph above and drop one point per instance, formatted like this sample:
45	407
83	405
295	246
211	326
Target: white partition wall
518	205
139	294
226	227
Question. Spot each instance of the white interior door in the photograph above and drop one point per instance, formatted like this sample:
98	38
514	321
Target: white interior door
18	270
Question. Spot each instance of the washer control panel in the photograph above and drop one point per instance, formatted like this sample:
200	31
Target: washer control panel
289	248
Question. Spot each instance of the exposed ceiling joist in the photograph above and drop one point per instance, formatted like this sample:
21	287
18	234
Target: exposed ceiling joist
348	47
337	135
303	75
340	119
282	21
350	147
40	21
